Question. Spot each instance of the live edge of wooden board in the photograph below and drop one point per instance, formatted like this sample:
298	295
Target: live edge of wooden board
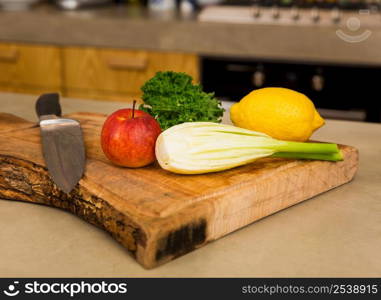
156	215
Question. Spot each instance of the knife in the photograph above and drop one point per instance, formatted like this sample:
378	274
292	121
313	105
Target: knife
62	143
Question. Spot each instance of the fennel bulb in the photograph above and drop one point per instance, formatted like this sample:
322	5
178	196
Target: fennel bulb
203	147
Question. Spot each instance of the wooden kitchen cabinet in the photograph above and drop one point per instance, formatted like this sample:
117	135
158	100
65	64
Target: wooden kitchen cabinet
118	74
82	72
30	68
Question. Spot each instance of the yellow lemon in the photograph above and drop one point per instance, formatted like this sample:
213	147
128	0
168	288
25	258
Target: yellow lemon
279	112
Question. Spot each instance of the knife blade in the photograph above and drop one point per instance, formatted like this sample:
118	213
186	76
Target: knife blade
62	143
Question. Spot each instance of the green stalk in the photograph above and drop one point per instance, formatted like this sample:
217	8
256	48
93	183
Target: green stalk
320	151
307	147
320	156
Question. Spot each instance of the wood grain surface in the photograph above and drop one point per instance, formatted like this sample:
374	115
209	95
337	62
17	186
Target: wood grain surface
30	68
83	72
118	74
155	214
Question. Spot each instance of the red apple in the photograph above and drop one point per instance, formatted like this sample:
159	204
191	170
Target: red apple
128	138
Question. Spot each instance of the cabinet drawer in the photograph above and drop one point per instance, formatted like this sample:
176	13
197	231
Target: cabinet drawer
29	68
119	72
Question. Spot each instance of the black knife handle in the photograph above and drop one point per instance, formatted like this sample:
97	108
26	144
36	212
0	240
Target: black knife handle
48	104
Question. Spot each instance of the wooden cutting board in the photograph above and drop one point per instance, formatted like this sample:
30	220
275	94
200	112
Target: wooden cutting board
155	214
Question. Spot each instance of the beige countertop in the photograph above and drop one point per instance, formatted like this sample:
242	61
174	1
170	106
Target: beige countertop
337	233
133	28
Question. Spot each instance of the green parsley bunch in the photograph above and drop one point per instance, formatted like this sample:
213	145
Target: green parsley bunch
171	98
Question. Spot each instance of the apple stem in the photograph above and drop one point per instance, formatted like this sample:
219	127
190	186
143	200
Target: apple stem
133	108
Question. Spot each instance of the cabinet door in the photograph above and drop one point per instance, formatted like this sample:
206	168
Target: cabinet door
118	74
29	68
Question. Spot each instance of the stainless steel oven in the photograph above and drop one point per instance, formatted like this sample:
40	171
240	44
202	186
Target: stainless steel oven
339	91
